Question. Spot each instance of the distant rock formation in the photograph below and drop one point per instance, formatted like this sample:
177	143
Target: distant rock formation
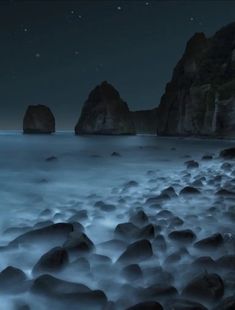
105	113
200	98
38	119
145	121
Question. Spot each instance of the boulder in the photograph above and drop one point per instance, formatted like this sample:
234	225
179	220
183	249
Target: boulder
105	113
53	261
148	305
137	252
209	287
38	119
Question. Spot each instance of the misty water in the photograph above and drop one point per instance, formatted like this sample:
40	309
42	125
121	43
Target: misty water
63	178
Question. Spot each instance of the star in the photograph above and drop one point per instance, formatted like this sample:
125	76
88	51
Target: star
80	16
25	29
72	12
119	8
37	55
191	19
76	53
147	3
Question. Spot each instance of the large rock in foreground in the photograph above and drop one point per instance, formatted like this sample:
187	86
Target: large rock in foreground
105	113
200	98
39	119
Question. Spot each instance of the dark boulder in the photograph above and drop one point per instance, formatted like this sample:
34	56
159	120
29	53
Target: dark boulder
184	304
38	119
53	261
13	280
228	153
211	242
148	305
206	286
105	112
137	252
186	235
189	190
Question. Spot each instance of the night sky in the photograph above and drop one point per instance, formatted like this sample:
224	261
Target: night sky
56	52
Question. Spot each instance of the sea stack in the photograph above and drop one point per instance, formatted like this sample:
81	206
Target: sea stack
145	121
200	98
38	119
105	113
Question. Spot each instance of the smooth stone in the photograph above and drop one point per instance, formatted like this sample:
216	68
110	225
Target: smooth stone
191	164
228	153
132	272
212	242
189	190
137	252
226	304
54	260
148	305
184	304
79	243
226	262
186	235
13	280
206	286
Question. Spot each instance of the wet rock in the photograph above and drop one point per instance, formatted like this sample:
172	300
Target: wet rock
129	185
115	154
147	232
137	252
212	242
53	261
160	291
170	191
226	262
189	190
165	214
184	304
72	293
38	119
132	272
105	112
228	153
51	158
43	224
186	235
13	280
205	263
56	233
104	206
157	199
176	221
148	305
139	218
206	286
80	215
225	192
126	230
207	157
78	243
226	304
191	164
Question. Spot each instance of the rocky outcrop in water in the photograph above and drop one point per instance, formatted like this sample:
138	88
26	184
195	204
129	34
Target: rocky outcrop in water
105	113
145	121
200	98
38	119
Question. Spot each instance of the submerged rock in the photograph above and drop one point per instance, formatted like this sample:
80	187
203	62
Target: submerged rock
211	242
228	153
105	113
39	119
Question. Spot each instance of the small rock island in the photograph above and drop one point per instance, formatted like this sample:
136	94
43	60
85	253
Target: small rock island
38	119
105	113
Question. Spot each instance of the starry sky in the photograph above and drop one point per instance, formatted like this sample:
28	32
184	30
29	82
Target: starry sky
56	52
